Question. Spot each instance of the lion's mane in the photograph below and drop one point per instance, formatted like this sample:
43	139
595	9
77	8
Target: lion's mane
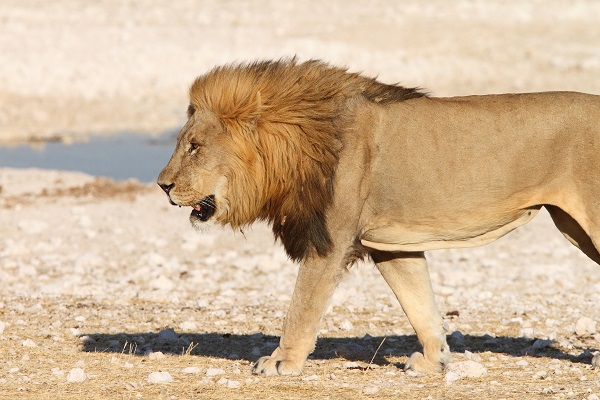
284	119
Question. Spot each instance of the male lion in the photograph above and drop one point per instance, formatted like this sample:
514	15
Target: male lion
345	167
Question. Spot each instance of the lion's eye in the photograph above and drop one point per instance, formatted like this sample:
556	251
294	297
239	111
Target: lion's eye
191	110
193	147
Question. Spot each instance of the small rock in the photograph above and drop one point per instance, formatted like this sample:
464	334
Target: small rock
233	384
190	370
28	343
160	377
311	378
527	333
156	355
76	375
522	363
371	390
2	327
351	364
593	396
451	376
457	338
214	371
468	369
540	344
162	283
346	325
540	375
168	335
585	326
188	326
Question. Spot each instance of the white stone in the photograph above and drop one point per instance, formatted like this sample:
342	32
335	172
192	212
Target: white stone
157	355
76	375
190	370
351	364
346	325
311	378
585	326
188	326
468	369
371	390
214	371
28	343
527	333
451	376
233	384
2	327
160	377
162	283
522	363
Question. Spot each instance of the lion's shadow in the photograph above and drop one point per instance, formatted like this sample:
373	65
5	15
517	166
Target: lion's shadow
377	349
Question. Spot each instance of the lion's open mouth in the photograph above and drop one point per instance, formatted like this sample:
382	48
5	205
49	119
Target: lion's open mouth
204	209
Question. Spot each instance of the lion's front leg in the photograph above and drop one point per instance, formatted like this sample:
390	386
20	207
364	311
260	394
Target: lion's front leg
408	276
317	279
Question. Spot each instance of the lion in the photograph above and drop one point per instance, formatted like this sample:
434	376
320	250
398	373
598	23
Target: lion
344	168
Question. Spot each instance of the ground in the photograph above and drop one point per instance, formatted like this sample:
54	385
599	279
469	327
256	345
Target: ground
104	284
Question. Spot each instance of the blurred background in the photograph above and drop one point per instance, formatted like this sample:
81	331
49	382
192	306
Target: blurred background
74	69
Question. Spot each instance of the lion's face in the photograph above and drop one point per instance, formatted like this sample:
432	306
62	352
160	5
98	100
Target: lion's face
195	175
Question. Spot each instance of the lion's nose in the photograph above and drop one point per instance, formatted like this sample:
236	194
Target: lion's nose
165	187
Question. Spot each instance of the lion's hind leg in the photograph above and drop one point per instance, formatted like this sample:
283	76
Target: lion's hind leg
588	243
573	231
408	276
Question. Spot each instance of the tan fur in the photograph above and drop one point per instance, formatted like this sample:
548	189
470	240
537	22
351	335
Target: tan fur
344	167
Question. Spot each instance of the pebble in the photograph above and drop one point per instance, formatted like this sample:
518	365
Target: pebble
371	390
527	333
188	326
160	377
346	325
168	335
228	383
522	363
311	378
585	326
214	371
468	369
162	283
28	343
190	370
451	376
76	375
540	375
157	355
2	327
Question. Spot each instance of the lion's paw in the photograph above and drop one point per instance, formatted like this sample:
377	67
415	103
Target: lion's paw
270	366
418	363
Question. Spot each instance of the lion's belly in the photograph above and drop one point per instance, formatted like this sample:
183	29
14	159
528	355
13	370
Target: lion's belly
389	235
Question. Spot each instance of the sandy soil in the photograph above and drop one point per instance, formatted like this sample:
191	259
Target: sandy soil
104	284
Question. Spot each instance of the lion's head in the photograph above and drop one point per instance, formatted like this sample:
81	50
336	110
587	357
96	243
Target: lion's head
262	142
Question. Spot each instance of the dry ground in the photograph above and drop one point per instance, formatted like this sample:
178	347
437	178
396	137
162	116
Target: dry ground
122	287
